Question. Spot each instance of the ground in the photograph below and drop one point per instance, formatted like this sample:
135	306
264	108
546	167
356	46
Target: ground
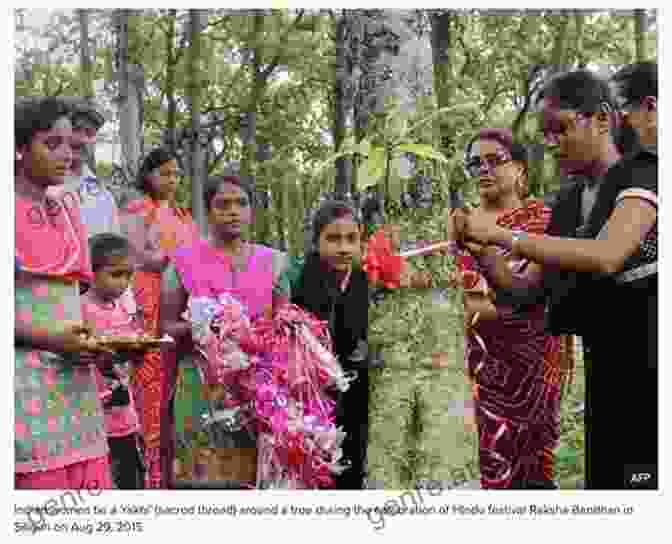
570	455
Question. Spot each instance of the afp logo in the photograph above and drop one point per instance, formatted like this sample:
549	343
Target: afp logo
641	477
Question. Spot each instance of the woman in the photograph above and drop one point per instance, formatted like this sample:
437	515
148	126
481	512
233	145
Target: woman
60	440
156	228
326	283
513	363
329	283
223	263
607	247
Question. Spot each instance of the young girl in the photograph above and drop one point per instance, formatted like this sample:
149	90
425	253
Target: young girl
109	307
156	227
60	440
328	284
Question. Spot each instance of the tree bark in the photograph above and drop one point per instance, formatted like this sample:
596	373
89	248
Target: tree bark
198	167
130	95
171	60
249	166
559	54
579	19
342	183
86	73
442	45
640	35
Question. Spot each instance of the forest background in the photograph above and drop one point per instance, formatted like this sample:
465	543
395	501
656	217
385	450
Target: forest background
305	102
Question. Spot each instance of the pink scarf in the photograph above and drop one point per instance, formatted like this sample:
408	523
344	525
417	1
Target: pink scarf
51	240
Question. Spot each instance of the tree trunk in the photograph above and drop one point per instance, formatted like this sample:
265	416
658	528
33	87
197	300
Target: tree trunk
579	19
342	183
442	46
86	76
558	65
559	54
171	119
86	72
640	35
198	167
280	209
130	95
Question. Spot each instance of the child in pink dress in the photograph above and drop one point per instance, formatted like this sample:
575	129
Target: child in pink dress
109	308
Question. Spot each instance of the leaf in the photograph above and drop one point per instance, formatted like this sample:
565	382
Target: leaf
457	107
372	169
364	147
424	151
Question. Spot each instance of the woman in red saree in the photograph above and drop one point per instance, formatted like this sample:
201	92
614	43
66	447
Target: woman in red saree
156	228
513	364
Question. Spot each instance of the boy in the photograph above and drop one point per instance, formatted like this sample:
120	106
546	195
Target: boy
110	309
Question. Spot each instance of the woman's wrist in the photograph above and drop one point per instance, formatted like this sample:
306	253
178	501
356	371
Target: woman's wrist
501	237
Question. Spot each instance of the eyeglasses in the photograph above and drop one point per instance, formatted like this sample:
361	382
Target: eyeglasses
475	165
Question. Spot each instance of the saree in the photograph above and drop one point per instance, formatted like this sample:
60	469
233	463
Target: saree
515	368
59	423
203	271
158	231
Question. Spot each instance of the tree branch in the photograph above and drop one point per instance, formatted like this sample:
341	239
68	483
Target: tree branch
265	74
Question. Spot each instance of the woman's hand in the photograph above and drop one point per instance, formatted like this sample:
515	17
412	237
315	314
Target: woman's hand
78	339
480	227
457	223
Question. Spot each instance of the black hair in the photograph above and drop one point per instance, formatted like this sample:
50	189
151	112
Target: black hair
84	109
330	211
579	90
106	246
32	115
505	138
637	81
152	161
212	185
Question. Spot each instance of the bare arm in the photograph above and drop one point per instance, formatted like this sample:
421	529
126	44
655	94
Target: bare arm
630	222
74	338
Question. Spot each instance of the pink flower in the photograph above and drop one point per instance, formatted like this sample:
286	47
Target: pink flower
279	421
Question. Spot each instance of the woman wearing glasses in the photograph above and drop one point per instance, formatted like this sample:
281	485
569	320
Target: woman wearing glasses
156	227
513	364
603	247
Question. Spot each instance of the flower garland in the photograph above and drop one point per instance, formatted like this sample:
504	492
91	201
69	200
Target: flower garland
279	372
